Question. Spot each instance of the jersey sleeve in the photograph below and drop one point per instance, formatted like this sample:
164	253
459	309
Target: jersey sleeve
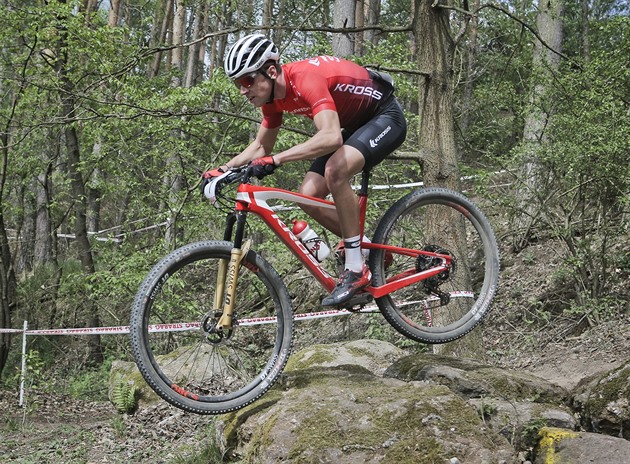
271	118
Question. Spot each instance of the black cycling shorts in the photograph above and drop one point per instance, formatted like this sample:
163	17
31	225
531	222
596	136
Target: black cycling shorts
376	139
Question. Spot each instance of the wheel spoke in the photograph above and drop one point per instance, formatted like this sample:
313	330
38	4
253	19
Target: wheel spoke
451	234
211	374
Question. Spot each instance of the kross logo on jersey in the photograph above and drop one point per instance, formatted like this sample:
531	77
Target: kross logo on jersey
359	90
305	109
374	143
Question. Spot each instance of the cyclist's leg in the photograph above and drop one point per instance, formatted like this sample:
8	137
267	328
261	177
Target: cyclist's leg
380	136
340	168
314	185
363	149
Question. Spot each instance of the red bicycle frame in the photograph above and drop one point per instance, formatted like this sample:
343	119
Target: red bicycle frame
253	199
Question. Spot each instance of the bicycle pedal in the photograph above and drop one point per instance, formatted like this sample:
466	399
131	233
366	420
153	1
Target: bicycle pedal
357	302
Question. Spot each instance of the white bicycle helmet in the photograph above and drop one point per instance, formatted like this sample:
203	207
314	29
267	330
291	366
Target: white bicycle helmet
248	55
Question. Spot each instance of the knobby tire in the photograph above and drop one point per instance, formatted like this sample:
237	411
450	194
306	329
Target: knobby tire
436	219
191	369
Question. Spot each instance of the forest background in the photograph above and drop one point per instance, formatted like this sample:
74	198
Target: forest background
111	110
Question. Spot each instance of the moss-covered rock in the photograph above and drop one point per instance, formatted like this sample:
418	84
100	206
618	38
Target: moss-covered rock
329	410
366	401
604	402
562	446
472	379
373	355
520	421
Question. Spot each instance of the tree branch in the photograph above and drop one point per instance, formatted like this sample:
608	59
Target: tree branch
515	18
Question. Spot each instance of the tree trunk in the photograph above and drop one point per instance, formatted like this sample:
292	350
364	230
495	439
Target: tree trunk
8	295
267	13
8	284
94	194
173	180
471	54
192	65
373	17
114	13
179	29
435	49
43	226
359	21
545	63
163	16
77	183
344	14
8	281
84	249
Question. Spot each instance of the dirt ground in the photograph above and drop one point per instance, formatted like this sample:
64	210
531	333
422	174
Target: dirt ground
65	430
566	363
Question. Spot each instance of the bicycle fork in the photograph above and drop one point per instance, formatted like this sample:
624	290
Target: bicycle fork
227	275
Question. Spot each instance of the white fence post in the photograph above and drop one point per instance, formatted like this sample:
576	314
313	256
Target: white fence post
23	376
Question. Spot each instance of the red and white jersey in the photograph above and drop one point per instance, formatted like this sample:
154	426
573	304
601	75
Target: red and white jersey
326	83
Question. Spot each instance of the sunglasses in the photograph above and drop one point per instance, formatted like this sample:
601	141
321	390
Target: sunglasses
245	81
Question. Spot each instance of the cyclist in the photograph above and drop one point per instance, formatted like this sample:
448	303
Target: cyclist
358	120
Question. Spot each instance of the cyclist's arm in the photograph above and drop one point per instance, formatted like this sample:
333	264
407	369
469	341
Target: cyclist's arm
326	140
261	146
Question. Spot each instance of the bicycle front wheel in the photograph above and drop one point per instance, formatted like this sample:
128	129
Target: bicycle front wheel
434	222
172	340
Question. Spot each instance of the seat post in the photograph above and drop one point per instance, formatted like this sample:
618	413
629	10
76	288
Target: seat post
365	181
363	199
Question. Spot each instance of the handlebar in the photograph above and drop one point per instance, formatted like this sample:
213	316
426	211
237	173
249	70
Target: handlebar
242	175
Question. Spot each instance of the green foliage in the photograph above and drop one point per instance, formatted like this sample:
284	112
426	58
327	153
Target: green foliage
38	383
530	430
144	143
124	396
597	310
582	169
118	424
90	384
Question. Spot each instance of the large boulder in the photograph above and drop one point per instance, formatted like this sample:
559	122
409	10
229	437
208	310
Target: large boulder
514	404
348	415
334	406
370	402
603	402
562	446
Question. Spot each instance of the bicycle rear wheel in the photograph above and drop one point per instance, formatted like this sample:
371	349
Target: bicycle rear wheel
449	305
181	360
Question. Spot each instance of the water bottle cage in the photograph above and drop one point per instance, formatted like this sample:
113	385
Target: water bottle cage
316	240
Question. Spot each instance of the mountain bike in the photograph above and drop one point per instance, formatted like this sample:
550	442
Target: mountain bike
212	323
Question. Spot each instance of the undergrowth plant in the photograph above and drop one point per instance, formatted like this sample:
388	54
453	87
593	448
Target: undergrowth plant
124	396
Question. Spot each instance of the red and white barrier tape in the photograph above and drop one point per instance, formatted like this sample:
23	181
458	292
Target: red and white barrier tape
177	327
